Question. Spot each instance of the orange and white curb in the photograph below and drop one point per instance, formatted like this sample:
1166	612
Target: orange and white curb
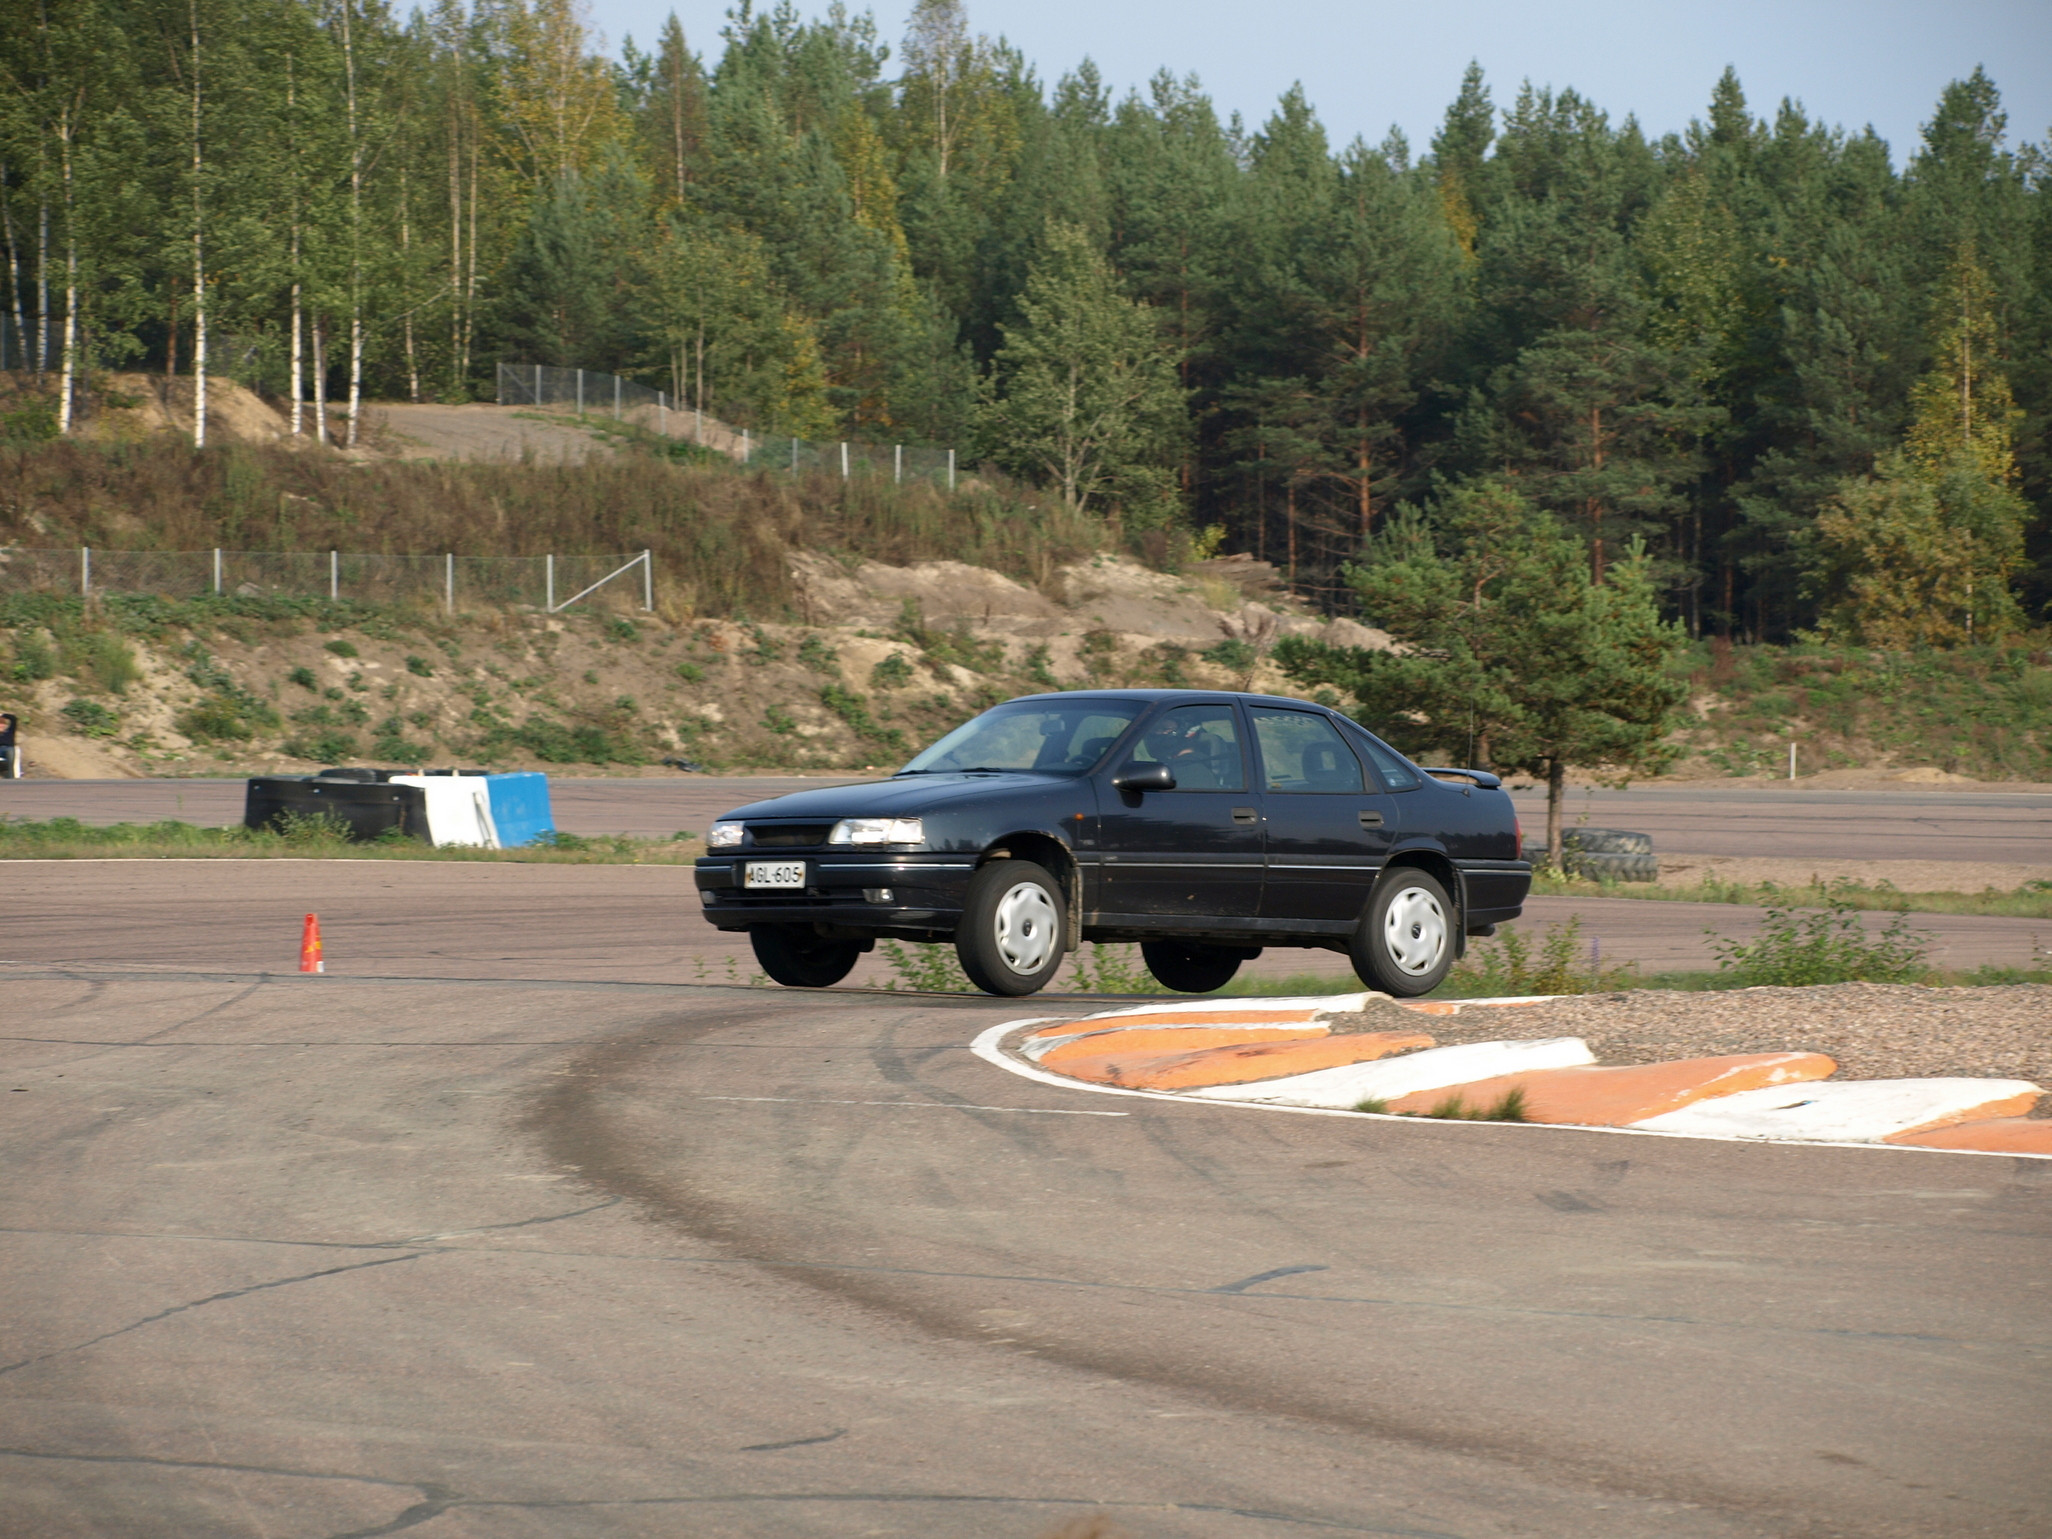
1281	1055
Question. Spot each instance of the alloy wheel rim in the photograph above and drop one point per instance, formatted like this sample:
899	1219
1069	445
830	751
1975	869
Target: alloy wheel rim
1414	931
1026	927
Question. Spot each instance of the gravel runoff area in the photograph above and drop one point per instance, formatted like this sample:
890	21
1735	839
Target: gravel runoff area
1873	1030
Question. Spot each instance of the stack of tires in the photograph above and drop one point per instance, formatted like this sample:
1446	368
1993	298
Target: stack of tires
1603	855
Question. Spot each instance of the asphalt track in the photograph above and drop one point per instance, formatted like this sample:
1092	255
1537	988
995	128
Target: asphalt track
1698	818
487	1254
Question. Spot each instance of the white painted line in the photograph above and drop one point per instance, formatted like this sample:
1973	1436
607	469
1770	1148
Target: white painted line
1323	1004
1861	1109
794	1100
1386	1079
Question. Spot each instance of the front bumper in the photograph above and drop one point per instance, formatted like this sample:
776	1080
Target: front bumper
926	891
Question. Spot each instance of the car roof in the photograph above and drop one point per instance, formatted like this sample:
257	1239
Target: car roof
1151	695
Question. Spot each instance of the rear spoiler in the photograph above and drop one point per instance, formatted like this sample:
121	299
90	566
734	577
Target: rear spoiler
1482	778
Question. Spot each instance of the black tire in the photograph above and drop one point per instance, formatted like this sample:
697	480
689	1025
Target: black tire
1616	868
1608	841
1189	967
795	957
1404	944
1014	930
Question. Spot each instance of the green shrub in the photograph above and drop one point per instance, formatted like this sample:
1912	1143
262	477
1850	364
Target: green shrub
323	748
91	718
304	678
1113	969
854	710
420	667
925	968
815	654
1239	656
343	648
554	743
894	672
34	659
691	673
215	718
1800	947
778	720
1508	965
622	630
102	658
1039	669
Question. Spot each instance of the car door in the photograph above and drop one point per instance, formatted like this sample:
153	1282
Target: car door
1329	827
1193	852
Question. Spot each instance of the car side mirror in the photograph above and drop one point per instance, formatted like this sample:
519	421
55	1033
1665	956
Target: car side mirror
1135	776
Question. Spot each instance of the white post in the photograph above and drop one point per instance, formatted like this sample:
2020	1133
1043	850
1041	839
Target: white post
449	582
616	398
698	424
537	384
662	415
85	570
844	461
951	470
217	569
580	392
794	456
1791	761
550	602
648	580
334	576
897	463
745	451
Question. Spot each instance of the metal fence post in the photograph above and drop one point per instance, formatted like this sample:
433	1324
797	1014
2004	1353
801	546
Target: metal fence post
844	461
662	415
537	384
616	398
217	569
745	450
794	456
550	602
580	392
648	580
951	470
85	570
449	582
897	463
334	576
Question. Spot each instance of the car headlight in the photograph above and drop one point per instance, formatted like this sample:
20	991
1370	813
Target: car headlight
878	831
723	836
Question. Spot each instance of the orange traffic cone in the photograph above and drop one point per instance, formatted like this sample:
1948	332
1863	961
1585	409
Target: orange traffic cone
310	947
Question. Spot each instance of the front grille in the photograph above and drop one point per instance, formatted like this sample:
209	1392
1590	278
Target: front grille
788	836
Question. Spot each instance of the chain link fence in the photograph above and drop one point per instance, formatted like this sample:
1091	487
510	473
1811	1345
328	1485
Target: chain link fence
450	582
590	393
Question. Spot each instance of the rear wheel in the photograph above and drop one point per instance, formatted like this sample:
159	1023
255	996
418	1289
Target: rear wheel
1013	933
795	957
1190	967
1404	944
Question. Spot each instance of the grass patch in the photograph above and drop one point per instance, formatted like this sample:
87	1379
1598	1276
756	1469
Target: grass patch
2033	900
69	839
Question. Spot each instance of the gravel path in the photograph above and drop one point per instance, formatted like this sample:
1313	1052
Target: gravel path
1873	1030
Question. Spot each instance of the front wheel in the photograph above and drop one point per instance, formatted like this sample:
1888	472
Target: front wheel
1013	933
795	957
1404	944
1191	968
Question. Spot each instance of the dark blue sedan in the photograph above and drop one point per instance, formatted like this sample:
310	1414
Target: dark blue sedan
1204	825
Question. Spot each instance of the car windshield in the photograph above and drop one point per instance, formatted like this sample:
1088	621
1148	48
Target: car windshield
1066	737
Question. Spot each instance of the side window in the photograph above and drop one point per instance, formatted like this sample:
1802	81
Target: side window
1201	743
1302	752
1389	765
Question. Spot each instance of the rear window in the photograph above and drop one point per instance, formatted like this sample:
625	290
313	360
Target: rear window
1390	766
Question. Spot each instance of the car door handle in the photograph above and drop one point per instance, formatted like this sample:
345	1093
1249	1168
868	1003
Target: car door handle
1371	820
1246	815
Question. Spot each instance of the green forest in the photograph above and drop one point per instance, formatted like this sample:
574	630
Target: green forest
1797	377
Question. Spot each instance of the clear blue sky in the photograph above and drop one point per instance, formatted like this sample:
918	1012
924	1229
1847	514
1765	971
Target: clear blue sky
1369	64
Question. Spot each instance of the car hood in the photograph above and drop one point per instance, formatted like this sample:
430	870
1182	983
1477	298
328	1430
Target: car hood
909	797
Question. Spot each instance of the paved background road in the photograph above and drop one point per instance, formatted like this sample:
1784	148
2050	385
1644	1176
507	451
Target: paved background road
470	1256
1702	819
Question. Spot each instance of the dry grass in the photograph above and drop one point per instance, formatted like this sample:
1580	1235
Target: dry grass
722	536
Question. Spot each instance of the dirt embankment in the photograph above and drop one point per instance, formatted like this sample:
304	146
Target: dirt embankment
890	658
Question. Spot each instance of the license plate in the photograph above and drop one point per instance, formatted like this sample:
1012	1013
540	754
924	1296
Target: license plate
774	873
